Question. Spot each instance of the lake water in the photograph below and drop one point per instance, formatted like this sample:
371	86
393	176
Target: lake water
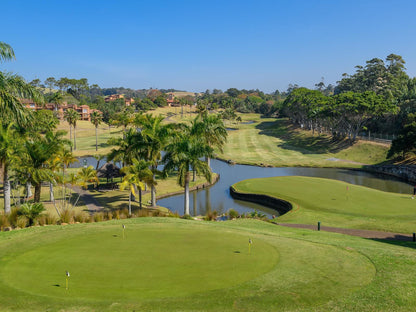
217	197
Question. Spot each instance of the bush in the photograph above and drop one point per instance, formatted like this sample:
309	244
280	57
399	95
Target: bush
98	217
116	214
81	217
31	211
4	222
187	217
67	216
211	216
22	222
13	217
233	214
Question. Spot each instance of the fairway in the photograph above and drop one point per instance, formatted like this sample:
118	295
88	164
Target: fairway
173	264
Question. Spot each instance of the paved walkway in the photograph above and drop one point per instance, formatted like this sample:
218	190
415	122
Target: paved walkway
354	232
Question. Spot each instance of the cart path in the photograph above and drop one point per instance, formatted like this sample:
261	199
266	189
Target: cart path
354	232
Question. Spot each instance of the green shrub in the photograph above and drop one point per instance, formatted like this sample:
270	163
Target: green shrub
4	222
211	216
116	214
81	217
67	216
187	217
31	211
14	214
22	222
98	217
233	214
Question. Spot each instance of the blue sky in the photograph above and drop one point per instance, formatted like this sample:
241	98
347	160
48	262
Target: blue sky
199	45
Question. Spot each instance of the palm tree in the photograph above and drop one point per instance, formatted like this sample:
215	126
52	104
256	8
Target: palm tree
7	145
12	89
130	180
85	176
212	131
72	116
96	119
38	151
140	169
6	52
152	140
184	153
127	148
65	158
56	99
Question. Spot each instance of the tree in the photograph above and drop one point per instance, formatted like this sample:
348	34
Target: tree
72	116
211	129
56	98
152	140
182	154
31	211
96	119
406	139
7	146
134	176
65	158
50	82
38	151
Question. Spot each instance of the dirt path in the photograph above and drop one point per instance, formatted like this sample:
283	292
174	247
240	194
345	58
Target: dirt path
354	232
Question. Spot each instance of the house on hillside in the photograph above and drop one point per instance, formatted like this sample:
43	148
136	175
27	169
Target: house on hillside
83	110
128	101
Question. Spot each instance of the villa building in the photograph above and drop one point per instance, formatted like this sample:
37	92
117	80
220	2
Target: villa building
83	110
113	97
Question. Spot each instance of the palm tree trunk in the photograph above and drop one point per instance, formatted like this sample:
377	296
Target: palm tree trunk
193	174
38	188
51	197
28	190
6	189
75	141
209	162
130	203
153	190
187	178
96	140
70	134
140	197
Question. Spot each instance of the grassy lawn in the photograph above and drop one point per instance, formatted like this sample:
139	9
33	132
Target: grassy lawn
337	203
274	142
168	264
85	137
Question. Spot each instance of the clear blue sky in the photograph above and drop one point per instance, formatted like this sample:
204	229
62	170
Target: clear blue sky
199	45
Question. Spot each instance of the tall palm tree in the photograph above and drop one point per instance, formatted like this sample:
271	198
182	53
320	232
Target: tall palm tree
6	52
56	99
130	180
153	138
126	150
65	158
12	89
38	151
7	146
96	119
140	169
211	129
184	153
72	116
85	176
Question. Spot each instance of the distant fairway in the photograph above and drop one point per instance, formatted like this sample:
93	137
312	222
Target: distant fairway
175	265
337	203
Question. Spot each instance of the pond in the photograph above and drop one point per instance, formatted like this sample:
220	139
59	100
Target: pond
217	197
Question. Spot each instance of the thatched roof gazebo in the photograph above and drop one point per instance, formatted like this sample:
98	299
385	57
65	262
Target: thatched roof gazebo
109	171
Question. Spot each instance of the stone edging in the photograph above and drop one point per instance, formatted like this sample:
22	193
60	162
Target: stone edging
280	205
194	188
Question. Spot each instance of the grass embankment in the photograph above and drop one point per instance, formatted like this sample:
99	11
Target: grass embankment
166	264
268	141
337	203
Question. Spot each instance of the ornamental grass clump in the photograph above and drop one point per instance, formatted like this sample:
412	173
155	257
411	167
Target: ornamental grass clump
67	216
81	217
4	222
233	214
21	222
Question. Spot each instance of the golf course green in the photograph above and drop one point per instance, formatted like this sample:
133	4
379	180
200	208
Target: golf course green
169	264
336	203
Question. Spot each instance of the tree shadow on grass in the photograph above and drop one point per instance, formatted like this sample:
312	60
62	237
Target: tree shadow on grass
398	240
299	141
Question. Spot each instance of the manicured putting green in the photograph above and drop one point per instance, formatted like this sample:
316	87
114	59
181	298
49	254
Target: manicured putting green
336	203
152	261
